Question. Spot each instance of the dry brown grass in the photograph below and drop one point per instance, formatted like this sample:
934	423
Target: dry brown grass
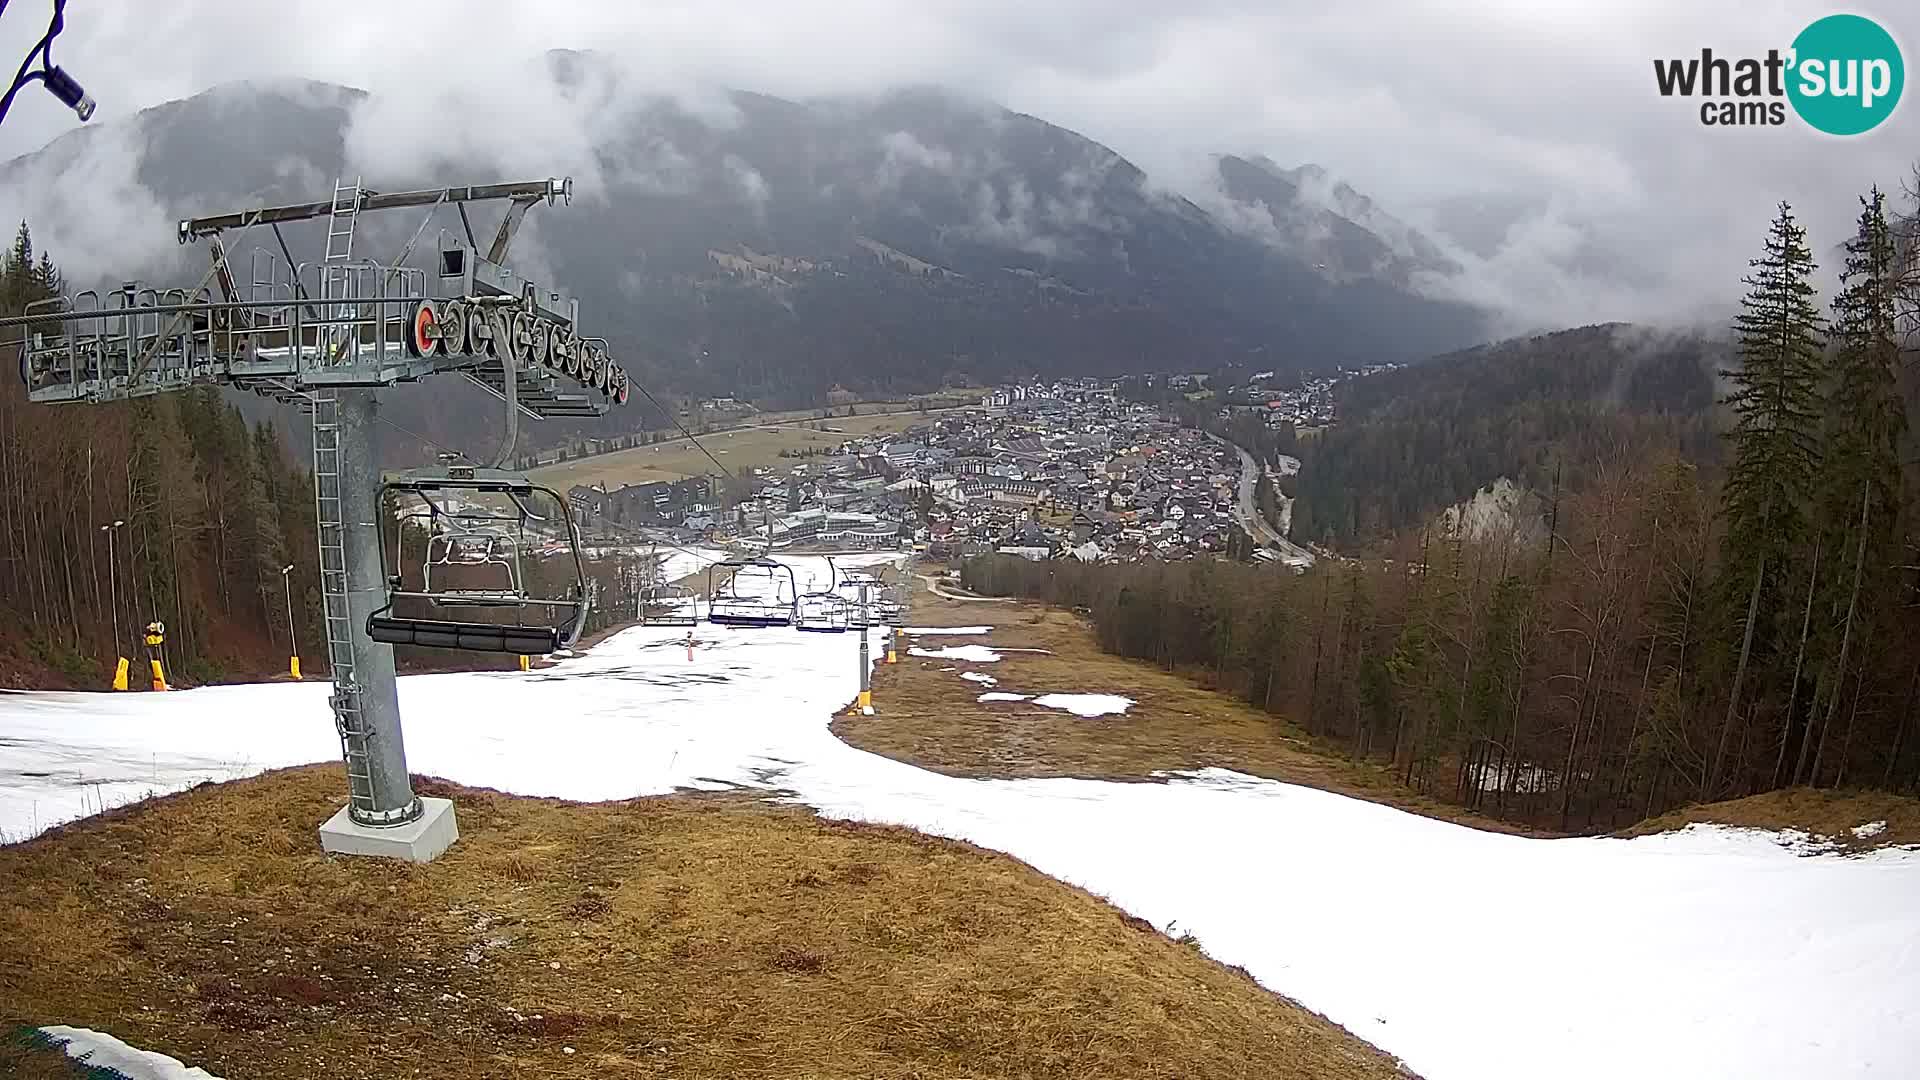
932	718
1829	815
687	936
751	447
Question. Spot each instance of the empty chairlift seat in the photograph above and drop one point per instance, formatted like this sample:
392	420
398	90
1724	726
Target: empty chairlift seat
474	637
490	542
822	613
759	592
669	605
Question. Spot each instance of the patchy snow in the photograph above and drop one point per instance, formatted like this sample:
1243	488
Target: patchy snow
997	695
1286	465
976	654
1703	954
1088	705
1870	830
947	630
975	676
860	560
677	563
101	1051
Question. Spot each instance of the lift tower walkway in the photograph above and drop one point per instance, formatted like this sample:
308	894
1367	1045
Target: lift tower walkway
327	336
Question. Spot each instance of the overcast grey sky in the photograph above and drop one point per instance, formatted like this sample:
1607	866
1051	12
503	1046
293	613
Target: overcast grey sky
1415	102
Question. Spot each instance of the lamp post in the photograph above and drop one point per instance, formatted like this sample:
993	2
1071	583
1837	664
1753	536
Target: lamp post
293	643
113	606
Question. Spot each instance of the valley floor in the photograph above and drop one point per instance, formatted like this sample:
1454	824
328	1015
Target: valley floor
1467	953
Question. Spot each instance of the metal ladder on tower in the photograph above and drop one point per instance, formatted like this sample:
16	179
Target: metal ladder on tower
331	523
336	269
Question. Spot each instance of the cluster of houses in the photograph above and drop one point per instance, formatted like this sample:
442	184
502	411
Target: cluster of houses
1064	470
1069	471
1301	403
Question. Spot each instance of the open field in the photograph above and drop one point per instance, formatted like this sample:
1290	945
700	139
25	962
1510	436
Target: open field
686	936
932	718
754	447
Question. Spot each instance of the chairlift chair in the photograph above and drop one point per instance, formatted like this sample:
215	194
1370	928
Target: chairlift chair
860	617
822	613
479	524
891	607
669	605
730	603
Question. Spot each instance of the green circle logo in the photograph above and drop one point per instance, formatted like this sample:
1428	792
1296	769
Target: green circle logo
1846	75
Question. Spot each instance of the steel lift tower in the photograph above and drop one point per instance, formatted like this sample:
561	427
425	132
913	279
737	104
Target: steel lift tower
326	336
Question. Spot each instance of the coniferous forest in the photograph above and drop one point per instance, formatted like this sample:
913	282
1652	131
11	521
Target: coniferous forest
1694	619
171	508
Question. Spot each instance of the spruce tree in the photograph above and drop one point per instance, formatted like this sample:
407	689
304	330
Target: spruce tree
1860	471
16	275
267	546
1776	407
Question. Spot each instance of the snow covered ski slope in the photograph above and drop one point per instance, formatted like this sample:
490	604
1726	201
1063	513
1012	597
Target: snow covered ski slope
1707	954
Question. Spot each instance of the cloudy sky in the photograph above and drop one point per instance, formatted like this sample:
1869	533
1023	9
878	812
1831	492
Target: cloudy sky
1633	208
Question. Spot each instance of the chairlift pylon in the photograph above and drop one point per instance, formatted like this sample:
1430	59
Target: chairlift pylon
480	530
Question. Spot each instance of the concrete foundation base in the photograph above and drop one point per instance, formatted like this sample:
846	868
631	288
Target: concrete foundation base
421	840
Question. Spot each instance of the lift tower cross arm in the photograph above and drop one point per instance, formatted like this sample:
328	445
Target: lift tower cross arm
529	192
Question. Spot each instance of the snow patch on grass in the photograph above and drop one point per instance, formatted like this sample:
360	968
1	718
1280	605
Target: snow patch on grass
101	1051
1869	830
996	695
946	630
977	654
975	676
1088	705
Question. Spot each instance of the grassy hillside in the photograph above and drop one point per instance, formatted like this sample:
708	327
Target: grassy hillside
688	936
1830	816
929	716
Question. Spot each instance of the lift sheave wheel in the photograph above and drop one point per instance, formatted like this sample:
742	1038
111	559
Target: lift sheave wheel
423	338
499	567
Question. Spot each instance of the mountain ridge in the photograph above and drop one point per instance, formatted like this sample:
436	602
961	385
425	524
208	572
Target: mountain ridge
1055	255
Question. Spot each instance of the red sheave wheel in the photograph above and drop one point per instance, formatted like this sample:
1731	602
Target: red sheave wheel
423	338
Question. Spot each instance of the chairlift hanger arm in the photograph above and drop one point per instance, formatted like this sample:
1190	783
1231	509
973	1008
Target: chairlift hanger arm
524	194
526	512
